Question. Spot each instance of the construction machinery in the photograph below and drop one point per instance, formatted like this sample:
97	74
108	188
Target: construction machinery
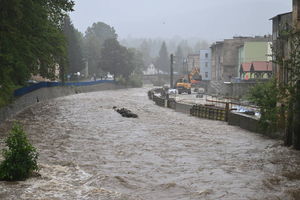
195	77
183	85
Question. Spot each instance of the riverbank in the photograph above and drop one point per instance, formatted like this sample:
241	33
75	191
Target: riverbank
48	93
208	108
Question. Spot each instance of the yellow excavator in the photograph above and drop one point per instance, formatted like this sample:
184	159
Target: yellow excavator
195	76
185	84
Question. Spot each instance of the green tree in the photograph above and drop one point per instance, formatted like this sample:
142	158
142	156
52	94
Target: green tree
80	39
290	87
137	61
163	62
265	95
20	159
75	58
145	50
94	39
116	59
31	41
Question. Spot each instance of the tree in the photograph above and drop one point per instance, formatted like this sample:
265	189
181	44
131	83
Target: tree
95	37
163	62
201	45
186	49
145	51
31	41
116	59
75	58
20	159
80	39
178	59
265	95
137	61
290	89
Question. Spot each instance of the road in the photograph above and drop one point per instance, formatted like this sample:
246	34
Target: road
89	151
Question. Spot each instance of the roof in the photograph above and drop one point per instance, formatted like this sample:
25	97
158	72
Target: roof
257	66
287	13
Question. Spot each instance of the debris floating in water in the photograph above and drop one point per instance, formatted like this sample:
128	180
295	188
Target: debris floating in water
125	112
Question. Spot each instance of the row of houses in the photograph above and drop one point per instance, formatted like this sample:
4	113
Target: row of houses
249	58
239	58
242	58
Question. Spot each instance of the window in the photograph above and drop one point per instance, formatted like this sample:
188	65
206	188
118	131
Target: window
206	64
206	74
206	55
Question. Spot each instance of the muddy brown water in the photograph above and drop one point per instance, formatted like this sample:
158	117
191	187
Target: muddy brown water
89	151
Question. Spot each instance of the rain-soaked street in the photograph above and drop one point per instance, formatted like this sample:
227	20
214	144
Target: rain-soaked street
89	151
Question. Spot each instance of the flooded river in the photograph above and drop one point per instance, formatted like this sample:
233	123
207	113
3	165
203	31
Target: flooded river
89	151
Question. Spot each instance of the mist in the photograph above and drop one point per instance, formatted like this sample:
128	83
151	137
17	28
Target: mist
208	20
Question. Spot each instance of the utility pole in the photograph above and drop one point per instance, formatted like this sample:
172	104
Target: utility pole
187	65
171	71
183	61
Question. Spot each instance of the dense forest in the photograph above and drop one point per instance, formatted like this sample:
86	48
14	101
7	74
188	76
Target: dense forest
38	38
31	41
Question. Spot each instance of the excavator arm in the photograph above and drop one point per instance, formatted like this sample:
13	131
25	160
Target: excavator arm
195	76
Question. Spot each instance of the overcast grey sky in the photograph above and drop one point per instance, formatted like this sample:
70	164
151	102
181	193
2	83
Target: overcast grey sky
206	19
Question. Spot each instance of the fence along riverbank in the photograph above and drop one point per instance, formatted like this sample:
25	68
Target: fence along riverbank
208	111
44	91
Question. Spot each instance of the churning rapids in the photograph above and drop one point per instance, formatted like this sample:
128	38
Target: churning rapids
89	151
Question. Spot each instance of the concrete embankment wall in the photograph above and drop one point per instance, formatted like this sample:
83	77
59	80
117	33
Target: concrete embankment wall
183	108
235	119
245	122
44	94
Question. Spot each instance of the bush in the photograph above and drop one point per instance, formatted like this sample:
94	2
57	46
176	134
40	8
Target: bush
20	159
135	81
132	81
265	95
121	81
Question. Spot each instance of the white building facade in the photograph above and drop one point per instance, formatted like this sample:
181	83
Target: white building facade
205	64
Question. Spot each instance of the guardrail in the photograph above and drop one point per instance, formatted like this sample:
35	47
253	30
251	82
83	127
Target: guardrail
233	102
22	91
